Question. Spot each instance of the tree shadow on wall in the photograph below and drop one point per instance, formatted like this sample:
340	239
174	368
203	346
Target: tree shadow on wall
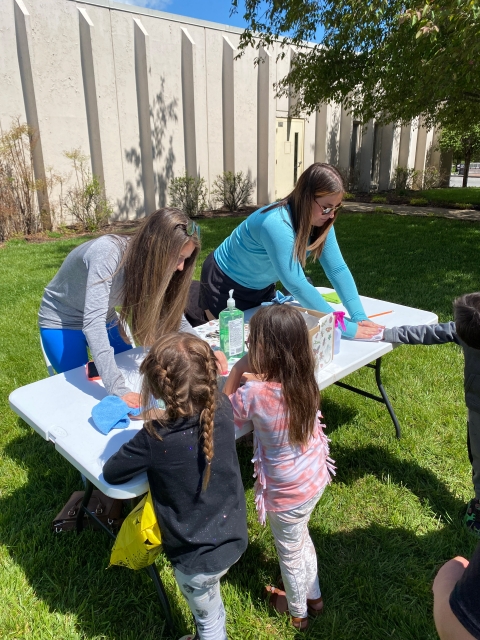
161	114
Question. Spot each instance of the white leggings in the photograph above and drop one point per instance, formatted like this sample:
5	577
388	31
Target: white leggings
202	592
297	556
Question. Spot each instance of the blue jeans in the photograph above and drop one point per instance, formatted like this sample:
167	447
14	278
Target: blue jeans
67	348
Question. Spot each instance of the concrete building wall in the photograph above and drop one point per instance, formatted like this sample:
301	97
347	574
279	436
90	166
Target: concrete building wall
150	95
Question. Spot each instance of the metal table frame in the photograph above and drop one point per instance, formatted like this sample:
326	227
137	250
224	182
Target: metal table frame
151	569
384	399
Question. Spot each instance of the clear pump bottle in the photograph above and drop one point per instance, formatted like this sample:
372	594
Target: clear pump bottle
231	323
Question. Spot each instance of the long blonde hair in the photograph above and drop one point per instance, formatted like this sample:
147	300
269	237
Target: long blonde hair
181	370
154	292
320	179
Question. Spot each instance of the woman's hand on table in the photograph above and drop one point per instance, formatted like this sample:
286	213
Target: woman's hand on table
367	329
222	362
132	399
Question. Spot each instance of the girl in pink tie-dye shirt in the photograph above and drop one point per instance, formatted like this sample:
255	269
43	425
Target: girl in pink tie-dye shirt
291	461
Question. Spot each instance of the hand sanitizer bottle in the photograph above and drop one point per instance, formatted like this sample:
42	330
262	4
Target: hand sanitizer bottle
231	329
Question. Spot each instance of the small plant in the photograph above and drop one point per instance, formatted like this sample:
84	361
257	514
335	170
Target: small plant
86	200
188	194
431	178
418	202
232	190
19	210
466	205
406	179
383	210
379	199
348	196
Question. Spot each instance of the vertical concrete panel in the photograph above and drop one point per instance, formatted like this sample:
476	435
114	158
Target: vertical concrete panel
366	156
404	145
142	66
309	143
412	150
282	67
333	133
214	57
166	113
265	129
201	121
90	90
131	203
421	149
386	138
107	108
228	104
23	29
188	102
57	72
11	97
346	123
321	134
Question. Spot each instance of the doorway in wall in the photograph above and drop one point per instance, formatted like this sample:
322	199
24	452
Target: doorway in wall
289	143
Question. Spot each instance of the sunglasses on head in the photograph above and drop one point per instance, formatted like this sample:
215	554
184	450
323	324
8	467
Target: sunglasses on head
190	228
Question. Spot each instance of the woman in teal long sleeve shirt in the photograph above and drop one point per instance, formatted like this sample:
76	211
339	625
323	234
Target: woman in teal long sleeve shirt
273	243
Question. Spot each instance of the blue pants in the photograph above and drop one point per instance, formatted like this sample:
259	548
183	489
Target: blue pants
67	348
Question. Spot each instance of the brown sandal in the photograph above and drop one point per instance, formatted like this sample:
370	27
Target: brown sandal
315	607
300	623
276	598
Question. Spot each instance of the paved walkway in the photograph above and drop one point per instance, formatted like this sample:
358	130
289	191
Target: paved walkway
401	210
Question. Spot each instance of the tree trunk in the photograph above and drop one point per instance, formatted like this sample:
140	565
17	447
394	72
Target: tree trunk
466	168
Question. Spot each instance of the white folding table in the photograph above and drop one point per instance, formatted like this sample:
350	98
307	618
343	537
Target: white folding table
59	408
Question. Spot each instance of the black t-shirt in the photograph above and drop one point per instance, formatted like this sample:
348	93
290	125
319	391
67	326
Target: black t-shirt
202	531
465	597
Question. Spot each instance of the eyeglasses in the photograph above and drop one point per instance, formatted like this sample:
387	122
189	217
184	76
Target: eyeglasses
326	211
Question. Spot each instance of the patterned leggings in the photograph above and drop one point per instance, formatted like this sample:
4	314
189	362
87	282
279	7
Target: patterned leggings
202	592
297	556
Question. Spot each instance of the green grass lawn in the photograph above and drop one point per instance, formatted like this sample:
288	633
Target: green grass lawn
382	528
454	195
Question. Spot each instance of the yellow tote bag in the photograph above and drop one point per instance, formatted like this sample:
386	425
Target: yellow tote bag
139	541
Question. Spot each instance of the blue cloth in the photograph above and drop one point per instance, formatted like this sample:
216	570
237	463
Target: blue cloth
67	348
260	251
112	413
278	299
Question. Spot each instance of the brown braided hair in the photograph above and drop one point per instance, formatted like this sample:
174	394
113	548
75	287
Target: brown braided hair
181	370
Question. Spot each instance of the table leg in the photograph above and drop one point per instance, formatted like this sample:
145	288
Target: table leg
151	570
162	596
84	506
383	399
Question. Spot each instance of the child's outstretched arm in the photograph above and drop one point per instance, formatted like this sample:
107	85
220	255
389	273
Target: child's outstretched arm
235	375
422	334
133	458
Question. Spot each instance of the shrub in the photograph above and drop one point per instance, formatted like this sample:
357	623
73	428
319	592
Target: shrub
419	202
19	210
188	194
379	199
348	196
431	178
232	190
383	210
406	178
86	200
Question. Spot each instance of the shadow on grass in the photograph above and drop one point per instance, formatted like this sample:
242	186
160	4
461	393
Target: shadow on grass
67	571
370	573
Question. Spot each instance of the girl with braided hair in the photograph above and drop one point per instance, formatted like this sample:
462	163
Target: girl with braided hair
188	452
291	460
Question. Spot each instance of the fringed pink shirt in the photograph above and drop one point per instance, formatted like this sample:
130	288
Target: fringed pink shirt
286	475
